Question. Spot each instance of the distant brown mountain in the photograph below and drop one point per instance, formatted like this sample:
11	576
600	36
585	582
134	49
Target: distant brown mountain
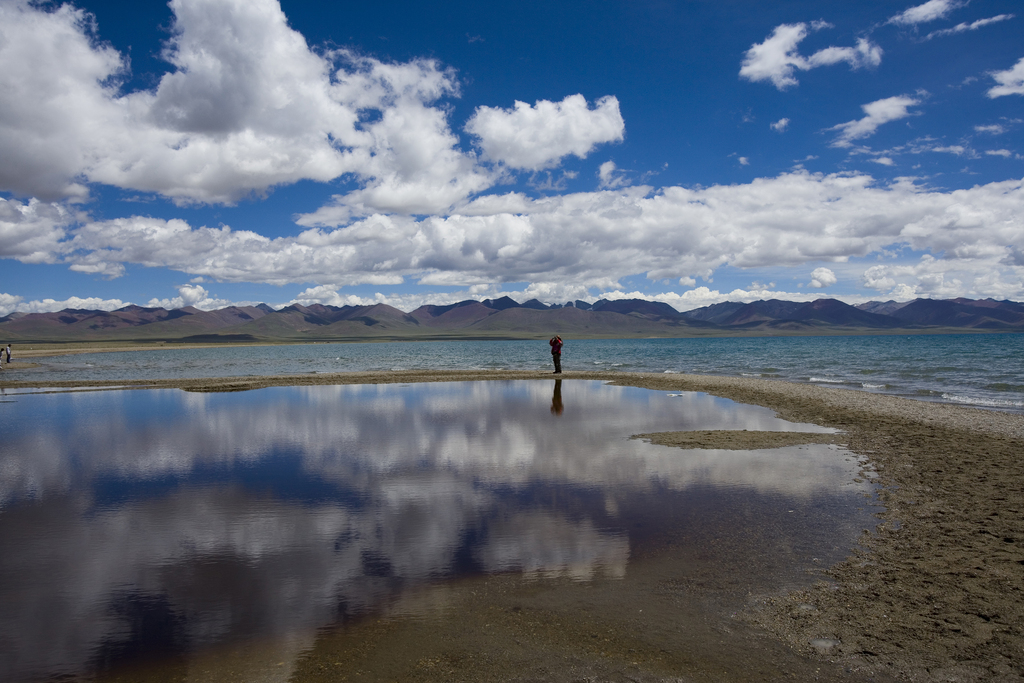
968	313
506	318
987	314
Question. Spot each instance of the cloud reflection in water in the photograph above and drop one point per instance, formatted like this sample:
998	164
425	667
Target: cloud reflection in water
220	517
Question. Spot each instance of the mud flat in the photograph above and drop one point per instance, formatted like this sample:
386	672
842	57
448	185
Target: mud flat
935	593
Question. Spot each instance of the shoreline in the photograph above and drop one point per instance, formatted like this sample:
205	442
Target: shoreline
935	592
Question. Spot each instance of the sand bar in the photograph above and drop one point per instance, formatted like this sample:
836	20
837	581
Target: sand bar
937	591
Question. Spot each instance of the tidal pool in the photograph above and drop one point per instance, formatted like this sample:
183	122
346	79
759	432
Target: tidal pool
257	535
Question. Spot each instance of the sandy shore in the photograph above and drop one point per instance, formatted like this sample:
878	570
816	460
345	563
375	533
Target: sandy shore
937	591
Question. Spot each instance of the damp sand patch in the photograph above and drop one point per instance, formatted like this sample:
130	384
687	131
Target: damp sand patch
737	440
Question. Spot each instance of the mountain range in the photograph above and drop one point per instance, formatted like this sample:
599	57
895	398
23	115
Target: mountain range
506	318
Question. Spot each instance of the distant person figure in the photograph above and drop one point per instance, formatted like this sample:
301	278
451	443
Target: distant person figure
8	354
556	399
556	353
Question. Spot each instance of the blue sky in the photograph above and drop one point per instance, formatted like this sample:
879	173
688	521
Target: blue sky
218	152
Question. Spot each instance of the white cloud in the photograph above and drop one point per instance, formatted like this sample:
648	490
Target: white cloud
589	240
993	129
232	119
864	54
329	296
1011	81
884	161
935	278
776	58
698	297
822	277
54	100
537	137
248	106
744	161
191	295
973	26
32	231
999	153
877	113
10	303
610	177
929	11
780	126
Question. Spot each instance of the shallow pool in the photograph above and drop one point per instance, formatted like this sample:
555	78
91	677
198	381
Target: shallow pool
161	525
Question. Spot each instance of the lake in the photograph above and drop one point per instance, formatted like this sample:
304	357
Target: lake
982	370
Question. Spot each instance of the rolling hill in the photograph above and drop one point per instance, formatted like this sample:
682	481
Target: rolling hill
505	318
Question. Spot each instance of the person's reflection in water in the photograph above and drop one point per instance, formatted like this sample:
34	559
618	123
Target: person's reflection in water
556	399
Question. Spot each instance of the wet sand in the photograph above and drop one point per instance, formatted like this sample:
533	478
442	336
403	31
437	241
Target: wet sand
935	593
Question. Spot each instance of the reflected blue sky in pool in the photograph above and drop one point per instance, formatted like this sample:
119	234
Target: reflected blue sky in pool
148	522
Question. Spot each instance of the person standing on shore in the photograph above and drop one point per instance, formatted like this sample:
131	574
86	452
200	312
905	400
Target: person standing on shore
8	354
556	353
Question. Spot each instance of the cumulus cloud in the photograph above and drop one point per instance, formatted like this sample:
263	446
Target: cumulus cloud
1011	81
329	296
958	150
993	129
822	277
698	297
32	232
584	240
973	26
929	11
59	89
191	295
10	303
248	106
777	57
932	277
537	137
610	177
780	126
231	119
876	114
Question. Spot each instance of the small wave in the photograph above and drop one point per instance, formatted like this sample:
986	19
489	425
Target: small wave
867	385
826	380
671	372
993	403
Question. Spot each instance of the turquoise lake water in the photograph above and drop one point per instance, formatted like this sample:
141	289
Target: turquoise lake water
985	370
